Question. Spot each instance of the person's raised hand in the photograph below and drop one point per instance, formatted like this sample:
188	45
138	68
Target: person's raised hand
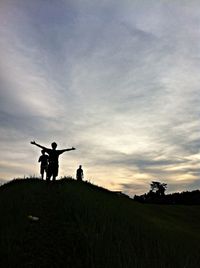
73	148
33	142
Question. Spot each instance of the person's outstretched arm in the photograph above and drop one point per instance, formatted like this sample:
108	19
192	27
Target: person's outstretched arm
66	150
38	145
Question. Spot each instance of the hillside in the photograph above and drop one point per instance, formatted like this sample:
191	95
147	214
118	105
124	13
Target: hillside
82	225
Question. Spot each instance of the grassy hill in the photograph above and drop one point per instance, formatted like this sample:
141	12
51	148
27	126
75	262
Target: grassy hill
82	225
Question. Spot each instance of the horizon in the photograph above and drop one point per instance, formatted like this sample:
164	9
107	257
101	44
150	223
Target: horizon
70	178
118	80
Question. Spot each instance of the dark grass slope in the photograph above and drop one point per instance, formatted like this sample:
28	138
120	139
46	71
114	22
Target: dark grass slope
81	225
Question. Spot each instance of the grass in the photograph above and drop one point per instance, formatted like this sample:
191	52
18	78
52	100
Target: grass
82	225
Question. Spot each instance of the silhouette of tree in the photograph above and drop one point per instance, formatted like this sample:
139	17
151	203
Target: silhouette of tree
156	195
158	188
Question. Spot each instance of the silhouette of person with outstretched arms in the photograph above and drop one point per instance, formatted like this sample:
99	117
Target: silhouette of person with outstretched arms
53	158
79	174
44	160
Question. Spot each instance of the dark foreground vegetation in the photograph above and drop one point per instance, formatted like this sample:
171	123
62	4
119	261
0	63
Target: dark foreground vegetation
78	224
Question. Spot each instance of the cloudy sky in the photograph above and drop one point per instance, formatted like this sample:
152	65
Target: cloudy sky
117	79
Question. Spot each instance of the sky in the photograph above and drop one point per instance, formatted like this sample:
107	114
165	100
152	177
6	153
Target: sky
117	79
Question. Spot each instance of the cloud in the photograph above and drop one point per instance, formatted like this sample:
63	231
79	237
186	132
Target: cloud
117	79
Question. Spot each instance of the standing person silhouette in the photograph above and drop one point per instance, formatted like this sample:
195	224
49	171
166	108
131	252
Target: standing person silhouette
53	159
79	174
44	159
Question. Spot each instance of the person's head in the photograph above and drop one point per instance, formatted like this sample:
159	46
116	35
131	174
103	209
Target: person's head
43	151
80	166
54	145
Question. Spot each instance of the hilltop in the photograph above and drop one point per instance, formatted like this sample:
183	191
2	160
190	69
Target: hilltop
82	225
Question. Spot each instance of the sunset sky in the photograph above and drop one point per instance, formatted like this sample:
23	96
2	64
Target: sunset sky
117	79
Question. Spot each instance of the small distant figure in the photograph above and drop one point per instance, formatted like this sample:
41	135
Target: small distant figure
79	174
44	160
53	158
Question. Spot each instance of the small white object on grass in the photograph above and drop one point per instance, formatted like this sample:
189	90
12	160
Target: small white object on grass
33	218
